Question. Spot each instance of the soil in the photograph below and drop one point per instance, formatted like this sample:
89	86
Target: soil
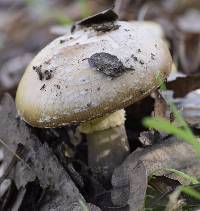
105	27
38	70
42	74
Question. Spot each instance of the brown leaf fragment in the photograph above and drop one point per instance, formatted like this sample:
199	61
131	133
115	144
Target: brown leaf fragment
107	64
105	16
160	105
148	138
105	27
183	85
163	184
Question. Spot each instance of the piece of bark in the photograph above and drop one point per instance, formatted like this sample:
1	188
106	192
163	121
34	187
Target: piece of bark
37	161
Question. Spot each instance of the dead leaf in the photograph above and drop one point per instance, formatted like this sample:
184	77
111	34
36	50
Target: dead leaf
101	17
170	153
181	86
148	138
129	182
160	105
163	184
37	161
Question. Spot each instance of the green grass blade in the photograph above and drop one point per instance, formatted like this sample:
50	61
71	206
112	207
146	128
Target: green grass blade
167	127
84	207
173	108
190	192
193	180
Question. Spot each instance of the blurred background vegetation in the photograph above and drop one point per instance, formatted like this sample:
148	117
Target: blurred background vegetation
26	26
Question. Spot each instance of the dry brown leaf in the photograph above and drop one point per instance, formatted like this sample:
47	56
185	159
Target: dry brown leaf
183	85
160	105
37	161
129	180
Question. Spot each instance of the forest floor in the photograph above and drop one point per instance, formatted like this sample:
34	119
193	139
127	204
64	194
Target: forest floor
47	169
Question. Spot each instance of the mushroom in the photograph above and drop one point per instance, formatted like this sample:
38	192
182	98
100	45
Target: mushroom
88	77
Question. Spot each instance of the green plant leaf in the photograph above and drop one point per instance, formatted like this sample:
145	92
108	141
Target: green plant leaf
173	108
190	192
167	127
64	21
193	180
84	207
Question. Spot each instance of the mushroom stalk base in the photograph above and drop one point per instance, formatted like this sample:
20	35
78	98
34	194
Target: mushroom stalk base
106	150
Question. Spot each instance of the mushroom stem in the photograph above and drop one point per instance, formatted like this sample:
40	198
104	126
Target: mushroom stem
107	144
106	150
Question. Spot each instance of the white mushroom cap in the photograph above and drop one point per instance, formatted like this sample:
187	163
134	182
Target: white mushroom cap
154	28
60	87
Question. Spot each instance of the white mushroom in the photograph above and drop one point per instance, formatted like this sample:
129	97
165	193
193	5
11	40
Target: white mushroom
90	74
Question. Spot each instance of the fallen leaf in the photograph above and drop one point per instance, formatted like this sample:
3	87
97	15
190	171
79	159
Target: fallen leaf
129	182
160	105
37	161
104	16
181	86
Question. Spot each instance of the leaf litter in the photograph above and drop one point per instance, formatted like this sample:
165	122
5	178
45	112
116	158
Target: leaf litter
152	152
